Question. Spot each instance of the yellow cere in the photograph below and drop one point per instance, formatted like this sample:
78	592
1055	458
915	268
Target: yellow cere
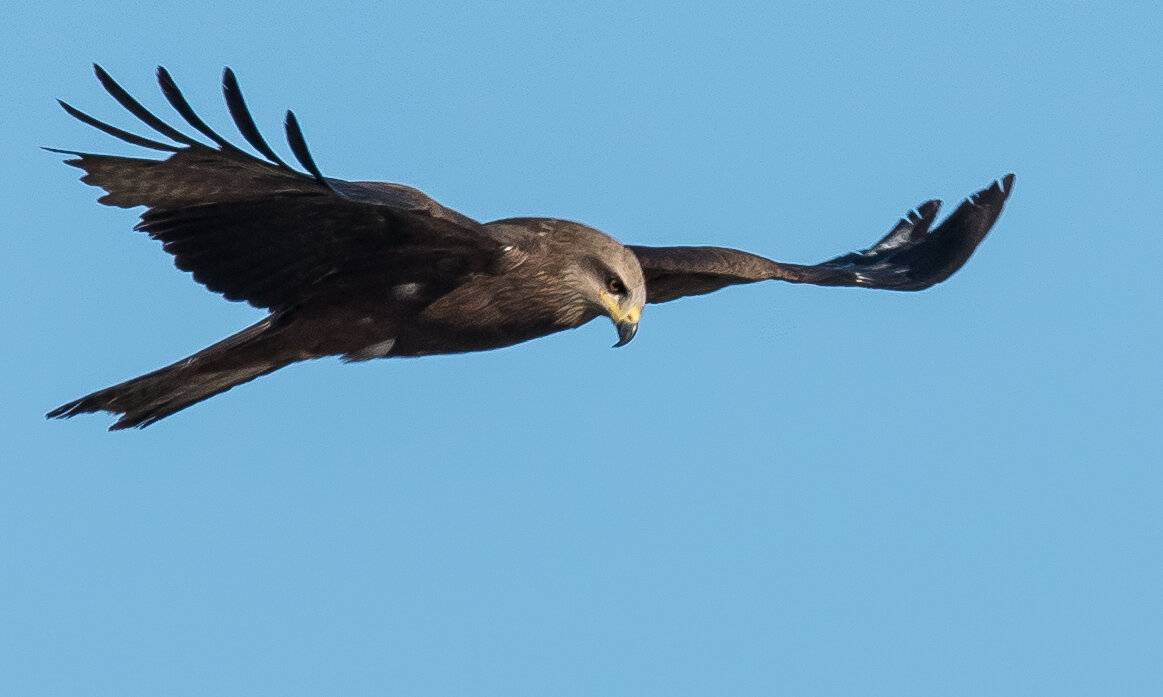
616	313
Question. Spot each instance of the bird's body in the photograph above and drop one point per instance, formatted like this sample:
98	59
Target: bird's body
366	270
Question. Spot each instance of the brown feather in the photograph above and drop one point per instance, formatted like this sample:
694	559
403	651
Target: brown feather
366	270
909	257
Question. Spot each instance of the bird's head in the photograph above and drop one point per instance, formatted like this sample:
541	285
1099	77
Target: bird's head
621	293
578	273
603	278
614	284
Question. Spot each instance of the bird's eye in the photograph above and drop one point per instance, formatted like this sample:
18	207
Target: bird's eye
615	286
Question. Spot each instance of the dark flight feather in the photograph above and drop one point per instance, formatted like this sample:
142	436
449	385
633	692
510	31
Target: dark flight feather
365	270
178	101
243	120
113	130
909	257
264	233
299	148
134	107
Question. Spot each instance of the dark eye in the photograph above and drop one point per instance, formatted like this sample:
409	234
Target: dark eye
615	286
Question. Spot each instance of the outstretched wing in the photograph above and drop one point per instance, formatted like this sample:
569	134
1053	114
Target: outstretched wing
256	229
910	257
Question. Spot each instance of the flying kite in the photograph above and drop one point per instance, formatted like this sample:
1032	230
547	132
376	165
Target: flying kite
365	270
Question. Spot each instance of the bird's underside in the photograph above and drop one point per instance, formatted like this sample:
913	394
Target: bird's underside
367	270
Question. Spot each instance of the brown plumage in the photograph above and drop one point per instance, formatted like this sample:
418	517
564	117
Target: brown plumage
367	270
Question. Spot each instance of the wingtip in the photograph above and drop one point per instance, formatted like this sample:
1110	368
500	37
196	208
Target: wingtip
1007	183
64	411
999	191
996	194
165	81
928	209
103	75
74	112
299	147
60	151
229	81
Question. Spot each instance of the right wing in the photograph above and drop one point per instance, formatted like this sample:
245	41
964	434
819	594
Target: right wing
910	257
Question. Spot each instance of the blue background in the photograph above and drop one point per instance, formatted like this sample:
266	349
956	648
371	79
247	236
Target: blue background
773	490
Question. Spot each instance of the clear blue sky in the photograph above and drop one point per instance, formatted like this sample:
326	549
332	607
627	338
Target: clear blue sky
773	490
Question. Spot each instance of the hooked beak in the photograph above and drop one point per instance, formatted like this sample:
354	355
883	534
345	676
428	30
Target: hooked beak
625	320
626	332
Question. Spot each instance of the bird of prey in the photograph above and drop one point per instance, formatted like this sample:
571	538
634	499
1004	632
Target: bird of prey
365	270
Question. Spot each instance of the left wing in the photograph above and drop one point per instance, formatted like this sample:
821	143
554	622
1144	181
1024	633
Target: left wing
256	229
910	257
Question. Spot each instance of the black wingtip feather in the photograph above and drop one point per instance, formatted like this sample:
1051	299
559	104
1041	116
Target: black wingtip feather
908	230
299	148
996	193
178	101
913	257
239	112
134	107
59	151
243	119
115	131
1007	185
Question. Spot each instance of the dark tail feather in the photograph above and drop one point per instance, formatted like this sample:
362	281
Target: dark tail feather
146	399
